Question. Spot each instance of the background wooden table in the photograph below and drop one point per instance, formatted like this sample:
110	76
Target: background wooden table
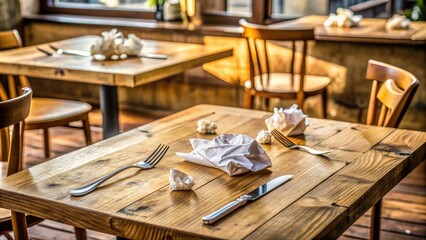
109	75
325	196
370	30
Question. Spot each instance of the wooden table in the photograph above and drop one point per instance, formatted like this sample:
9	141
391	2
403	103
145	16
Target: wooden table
325	196
371	30
109	75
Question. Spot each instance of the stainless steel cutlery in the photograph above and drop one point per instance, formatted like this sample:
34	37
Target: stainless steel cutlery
146	164
288	143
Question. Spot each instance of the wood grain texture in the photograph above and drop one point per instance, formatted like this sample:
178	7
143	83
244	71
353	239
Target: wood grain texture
347	194
370	30
323	198
129	72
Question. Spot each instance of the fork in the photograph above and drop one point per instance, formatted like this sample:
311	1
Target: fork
288	143
148	163
44	51
60	51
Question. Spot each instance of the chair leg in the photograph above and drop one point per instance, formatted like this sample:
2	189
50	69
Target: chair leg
375	220
4	141
19	224
46	143
248	100
86	129
80	233
324	103
267	103
7	235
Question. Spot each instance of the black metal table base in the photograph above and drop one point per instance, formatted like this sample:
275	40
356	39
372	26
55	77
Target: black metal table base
109	107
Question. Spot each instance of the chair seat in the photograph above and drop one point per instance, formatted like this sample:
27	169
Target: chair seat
45	110
280	83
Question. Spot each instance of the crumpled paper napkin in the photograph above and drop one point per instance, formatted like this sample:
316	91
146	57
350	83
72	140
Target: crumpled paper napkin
233	153
180	180
290	121
398	22
344	18
113	44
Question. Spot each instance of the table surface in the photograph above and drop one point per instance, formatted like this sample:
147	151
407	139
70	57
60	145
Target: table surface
324	197
130	72
369	30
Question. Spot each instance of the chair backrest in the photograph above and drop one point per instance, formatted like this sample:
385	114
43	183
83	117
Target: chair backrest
394	88
9	40
257	36
13	112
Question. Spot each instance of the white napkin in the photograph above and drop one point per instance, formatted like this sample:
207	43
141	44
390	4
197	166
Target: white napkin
290	121
344	18
398	22
180	180
113	44
233	153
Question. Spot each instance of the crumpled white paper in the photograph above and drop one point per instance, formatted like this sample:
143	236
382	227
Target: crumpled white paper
113	43
290	121
180	180
264	137
344	18
233	153
206	126
398	22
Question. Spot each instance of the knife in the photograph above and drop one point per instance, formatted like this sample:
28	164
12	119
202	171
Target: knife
244	199
88	54
71	52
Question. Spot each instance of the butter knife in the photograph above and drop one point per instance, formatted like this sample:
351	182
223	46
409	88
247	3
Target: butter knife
87	54
244	199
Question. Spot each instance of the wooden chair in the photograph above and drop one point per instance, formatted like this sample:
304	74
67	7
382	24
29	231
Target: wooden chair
394	89
291	85
45	112
13	112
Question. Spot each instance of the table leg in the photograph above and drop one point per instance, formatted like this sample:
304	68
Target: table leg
109	107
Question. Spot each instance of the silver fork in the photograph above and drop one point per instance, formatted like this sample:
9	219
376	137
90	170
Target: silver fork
288	143
149	163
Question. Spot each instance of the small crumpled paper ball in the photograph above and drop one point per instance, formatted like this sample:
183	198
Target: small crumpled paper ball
344	18
131	46
290	121
264	137
113	45
206	126
107	44
180	181
398	22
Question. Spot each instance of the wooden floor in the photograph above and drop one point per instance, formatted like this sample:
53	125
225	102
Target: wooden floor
403	214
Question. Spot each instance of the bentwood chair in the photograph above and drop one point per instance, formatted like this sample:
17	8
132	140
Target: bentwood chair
13	112
45	112
264	83
394	89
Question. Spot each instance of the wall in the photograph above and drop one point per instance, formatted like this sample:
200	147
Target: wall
10	14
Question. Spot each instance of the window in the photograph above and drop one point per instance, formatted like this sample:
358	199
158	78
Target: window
213	11
239	7
104	4
291	8
110	8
